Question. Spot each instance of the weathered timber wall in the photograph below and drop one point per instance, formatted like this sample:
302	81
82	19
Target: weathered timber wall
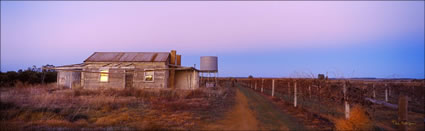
68	79
187	79
160	77
116	77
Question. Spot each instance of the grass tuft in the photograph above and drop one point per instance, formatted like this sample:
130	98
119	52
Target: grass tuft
358	120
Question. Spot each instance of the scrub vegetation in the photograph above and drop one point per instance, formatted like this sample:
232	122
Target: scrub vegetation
48	107
359	120
236	104
32	75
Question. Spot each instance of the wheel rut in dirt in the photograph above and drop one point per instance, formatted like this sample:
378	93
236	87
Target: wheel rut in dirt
254	112
240	117
269	116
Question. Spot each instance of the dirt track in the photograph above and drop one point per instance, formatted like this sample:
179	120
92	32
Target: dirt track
254	112
241	117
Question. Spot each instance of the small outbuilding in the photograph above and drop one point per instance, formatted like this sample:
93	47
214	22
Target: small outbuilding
129	69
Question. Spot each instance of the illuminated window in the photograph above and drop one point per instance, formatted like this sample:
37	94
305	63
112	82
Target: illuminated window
104	75
149	75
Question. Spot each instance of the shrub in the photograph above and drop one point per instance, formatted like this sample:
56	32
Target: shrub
198	93
20	84
32	75
81	123
84	92
358	120
57	123
127	92
168	94
113	119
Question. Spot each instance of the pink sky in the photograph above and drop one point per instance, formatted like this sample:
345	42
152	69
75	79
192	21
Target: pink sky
48	30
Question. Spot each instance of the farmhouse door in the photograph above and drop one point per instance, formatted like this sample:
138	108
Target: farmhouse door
129	78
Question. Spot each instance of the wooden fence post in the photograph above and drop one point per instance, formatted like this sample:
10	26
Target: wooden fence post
309	90
346	105
262	85
250	84
386	93
402	112
255	87
233	82
261	89
273	88
373	92
295	94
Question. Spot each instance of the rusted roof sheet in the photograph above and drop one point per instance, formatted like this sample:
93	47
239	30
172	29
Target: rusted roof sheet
73	66
128	57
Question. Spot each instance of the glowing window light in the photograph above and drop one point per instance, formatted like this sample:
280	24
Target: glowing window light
149	75
104	75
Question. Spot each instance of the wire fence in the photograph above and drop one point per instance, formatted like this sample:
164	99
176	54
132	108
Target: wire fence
332	99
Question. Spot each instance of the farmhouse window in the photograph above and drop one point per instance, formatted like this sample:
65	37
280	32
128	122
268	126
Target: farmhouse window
149	75
104	75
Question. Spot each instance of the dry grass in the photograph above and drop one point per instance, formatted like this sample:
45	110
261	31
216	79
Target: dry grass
358	120
47	107
54	123
113	119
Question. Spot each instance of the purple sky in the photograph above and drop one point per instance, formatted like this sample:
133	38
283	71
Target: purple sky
265	39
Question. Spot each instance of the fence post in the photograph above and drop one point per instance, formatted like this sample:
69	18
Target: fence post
402	112
295	94
261	89
346	105
262	85
386	93
373	92
273	88
250	83
309	90
255	87
233	82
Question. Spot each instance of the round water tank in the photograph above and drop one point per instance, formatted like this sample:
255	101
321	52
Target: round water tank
209	63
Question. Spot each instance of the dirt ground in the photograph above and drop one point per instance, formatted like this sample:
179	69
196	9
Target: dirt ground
269	115
254	112
241	117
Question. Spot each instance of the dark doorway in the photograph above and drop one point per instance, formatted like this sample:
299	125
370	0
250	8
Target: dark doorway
129	78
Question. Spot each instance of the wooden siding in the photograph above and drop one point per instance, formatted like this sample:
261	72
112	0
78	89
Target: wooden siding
92	80
68	79
116	77
187	79
160	77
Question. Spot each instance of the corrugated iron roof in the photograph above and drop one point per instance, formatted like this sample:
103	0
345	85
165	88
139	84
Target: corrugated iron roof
128	57
73	66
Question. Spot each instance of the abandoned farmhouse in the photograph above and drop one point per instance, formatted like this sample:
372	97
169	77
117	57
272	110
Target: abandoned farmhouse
129	69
